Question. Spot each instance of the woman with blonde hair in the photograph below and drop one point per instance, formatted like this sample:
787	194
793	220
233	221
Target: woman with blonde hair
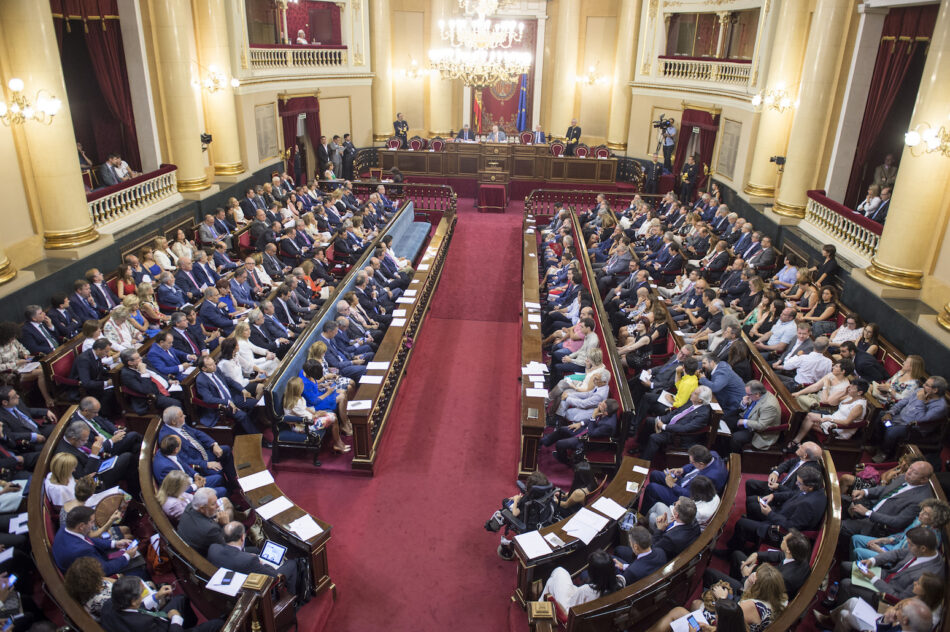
248	353
120	332
146	296
311	421
60	485
147	261
164	256
318	352
902	384
136	317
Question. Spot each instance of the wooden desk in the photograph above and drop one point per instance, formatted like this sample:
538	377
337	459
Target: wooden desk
396	348
249	460
532	408
520	162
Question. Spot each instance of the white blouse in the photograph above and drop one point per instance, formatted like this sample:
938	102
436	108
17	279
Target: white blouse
58	494
245	356
121	336
232	369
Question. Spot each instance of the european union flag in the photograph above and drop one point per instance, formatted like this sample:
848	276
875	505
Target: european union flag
523	104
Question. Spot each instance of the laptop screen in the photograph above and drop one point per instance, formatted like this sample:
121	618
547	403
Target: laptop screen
273	553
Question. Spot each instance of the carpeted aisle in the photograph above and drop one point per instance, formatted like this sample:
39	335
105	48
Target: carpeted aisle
408	550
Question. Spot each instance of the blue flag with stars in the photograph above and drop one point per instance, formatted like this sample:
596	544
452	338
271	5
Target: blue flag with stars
523	104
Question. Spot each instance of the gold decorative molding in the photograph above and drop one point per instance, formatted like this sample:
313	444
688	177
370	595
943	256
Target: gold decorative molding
789	210
381	138
715	110
7	271
60	240
286	96
654	6
617	146
895	276
759	190
943	319
195	184
229	168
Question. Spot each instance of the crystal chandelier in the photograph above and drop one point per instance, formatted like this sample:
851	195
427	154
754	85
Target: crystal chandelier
20	110
777	99
480	68
481	33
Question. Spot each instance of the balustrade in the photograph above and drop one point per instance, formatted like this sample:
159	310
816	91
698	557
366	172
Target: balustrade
845	226
110	203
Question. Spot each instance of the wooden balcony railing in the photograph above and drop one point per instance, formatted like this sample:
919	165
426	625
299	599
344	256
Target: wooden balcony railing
845	226
736	73
110	203
542	201
297	56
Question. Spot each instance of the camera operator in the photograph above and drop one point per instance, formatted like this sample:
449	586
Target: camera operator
667	132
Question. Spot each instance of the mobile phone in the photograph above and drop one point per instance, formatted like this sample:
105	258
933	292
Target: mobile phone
133	545
226	580
11	580
762	502
693	623
863	567
887	424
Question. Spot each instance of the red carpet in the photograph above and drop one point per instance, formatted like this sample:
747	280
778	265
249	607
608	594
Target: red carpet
408	550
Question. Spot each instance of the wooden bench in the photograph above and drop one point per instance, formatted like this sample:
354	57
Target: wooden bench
533	412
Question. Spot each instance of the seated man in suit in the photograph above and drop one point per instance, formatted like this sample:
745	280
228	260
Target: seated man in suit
136	375
782	476
352	347
18	428
760	410
764	257
90	457
93	375
115	440
38	334
497	135
200	524
802	509
169	294
167	361
232	555
667	486
200	451
602	422
64	320
675	537
209	233
221	261
102	294
866	366
123	612
886	509
465	134
186	281
273	326
646	391
353	368
184	336
168	458
217	388
214	314
273	266
72	541
81	304
241	292
687	419
792	563
640	558
926	410
286	313
204	338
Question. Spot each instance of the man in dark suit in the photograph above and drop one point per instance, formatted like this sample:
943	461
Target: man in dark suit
200	524
114	440
765	257
197	449
886	509
18	420
269	236
689	418
321	267
675	537
866	366
137	376
352	368
217	388
573	137
221	261
801	509
792	563
232	555
323	155
400	129
282	309
168	294
782	476
640	558
212	313
465	133
125	612
567	439
81	303
273	266
102	294
90	457
65	323
661	378
290	251
688	178
108	175
93	375
72	541
186	280
667	486
203	271
38	334
249	204
879	214
368	302
276	329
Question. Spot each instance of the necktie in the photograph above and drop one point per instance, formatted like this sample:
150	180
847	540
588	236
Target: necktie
689	477
46	335
194	442
681	415
214	232
223	392
279	326
95	426
891	575
190	276
792	471
29	422
105	295
884	498
194	347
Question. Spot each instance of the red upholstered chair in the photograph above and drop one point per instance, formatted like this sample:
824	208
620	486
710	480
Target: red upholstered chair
416	144
602	152
393	143
526	138
557	149
438	144
581	151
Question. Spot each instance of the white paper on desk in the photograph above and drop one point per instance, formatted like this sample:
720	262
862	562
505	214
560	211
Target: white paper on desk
554	541
532	326
258	479
399	313
373	366
533	378
534	318
404	301
681	625
398	322
108	385
260	403
531	305
680	332
359	404
723	428
588	517
866	613
174	388
536	392
533	544
306	527
274	507
666	399
413	282
584	525
410	292
534	368
609	507
633	487
715	406
531	254
371	379
19	524
237	582
6	554
423	266
530	231
539	383
29	366
639	469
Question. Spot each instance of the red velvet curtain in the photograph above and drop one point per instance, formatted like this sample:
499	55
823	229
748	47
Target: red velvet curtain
708	127
289	110
103	37
319	20
904	30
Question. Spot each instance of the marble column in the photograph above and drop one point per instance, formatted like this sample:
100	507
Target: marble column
32	55
175	39
620	96
784	73
380	30
910	234
565	66
825	43
441	121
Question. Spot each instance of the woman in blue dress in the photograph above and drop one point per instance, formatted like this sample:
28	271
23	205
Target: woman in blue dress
321	394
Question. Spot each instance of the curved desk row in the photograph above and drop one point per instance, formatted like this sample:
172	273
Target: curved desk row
532	408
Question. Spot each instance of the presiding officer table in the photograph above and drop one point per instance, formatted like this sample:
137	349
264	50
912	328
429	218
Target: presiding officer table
498	163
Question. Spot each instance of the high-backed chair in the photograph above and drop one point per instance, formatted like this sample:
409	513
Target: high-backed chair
438	143
557	148
416	143
526	137
581	151
601	151
393	143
